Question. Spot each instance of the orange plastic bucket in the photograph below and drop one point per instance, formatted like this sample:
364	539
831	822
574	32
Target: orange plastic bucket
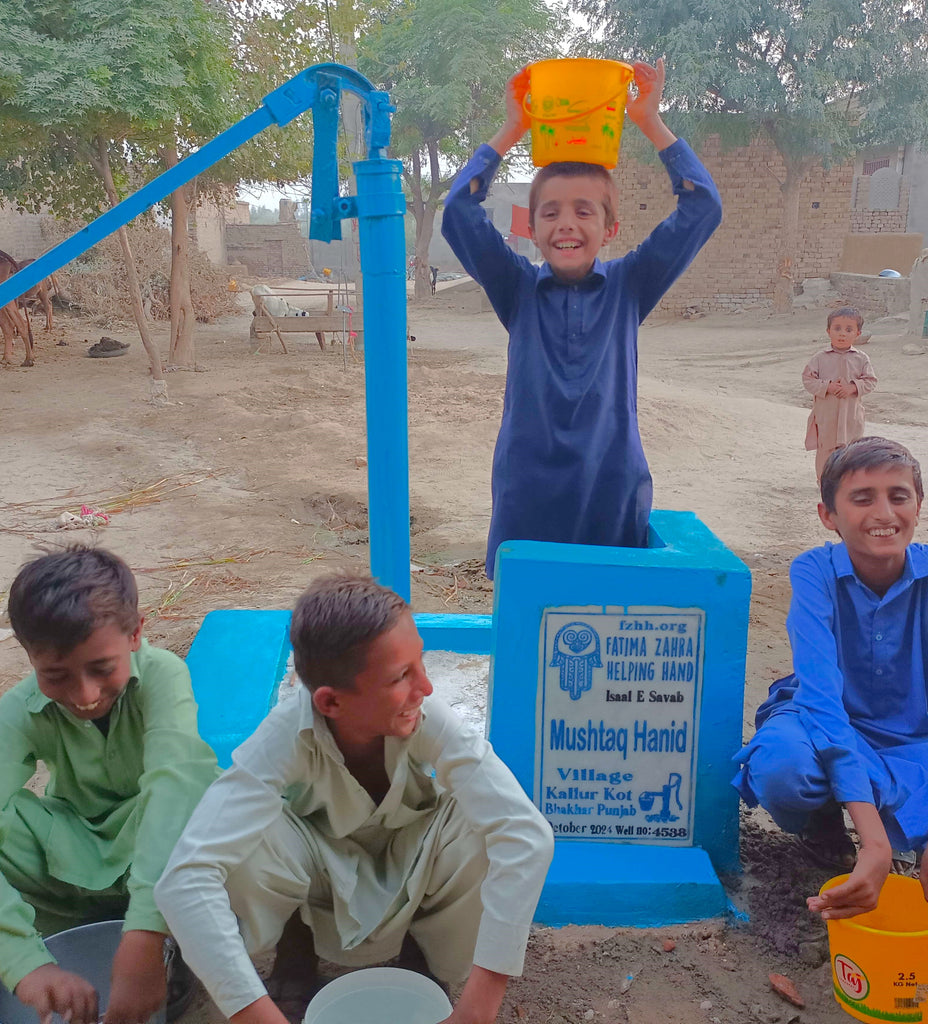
577	107
879	960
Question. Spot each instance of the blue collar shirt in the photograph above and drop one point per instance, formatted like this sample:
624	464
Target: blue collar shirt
569	465
860	673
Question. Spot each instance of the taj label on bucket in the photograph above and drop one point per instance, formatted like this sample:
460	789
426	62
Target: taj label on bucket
879	967
851	978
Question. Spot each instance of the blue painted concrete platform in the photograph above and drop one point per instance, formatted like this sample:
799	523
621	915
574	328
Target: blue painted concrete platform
638	887
238	660
589	643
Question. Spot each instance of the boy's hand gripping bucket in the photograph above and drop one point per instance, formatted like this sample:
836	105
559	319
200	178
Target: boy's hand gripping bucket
87	950
879	960
577	110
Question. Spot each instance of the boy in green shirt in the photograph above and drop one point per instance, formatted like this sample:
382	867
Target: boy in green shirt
114	721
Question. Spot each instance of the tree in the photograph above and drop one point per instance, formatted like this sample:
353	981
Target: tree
818	78
445	64
102	84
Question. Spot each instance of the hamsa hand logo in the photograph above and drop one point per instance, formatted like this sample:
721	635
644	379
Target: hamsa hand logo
576	654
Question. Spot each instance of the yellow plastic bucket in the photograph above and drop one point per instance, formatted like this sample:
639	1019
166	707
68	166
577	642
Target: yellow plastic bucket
879	960
577	107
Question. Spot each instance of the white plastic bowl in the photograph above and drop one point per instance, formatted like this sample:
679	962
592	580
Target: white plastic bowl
87	950
378	995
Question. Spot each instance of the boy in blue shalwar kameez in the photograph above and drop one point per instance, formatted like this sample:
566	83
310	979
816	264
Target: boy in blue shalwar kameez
850	726
569	465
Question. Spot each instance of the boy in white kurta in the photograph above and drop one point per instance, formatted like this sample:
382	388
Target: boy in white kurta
837	379
371	809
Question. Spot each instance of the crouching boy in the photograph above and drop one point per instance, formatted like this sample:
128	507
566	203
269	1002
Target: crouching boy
115	723
850	726
368	809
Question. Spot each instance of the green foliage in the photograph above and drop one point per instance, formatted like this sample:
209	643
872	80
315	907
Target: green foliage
820	77
69	62
269	47
445	64
135	75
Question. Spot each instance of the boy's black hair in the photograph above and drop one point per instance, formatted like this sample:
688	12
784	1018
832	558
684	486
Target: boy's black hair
850	312
59	599
334	622
867	453
575	169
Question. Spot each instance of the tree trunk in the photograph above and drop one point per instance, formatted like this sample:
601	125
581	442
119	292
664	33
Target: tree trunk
159	390
789	236
416	206
425	210
181	354
425	226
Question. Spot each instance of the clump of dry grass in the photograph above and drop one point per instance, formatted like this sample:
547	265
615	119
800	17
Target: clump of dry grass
97	283
199	585
462	583
137	496
189	563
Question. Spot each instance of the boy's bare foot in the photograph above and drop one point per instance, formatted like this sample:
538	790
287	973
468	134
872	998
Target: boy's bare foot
825	839
294	979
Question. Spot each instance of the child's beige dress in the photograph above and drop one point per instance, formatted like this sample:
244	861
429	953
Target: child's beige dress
835	422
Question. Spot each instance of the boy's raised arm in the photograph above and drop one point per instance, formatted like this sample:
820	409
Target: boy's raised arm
643	107
517	122
474	240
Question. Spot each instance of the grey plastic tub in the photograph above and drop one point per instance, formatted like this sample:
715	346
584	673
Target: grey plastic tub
87	951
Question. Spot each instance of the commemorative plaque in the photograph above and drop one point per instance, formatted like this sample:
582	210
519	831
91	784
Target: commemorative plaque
617	722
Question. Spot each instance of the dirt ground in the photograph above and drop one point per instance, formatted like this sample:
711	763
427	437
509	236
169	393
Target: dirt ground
253	481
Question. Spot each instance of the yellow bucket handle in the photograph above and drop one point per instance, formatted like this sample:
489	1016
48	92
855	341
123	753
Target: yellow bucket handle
575	116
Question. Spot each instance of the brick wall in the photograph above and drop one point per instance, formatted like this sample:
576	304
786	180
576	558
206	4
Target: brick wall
887	191
870	222
737	267
268	250
873	296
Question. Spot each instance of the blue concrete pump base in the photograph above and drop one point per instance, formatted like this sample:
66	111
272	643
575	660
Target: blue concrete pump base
629	886
239	657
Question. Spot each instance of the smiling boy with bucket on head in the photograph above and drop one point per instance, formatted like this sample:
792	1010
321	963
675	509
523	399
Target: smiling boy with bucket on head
366	810
569	464
850	725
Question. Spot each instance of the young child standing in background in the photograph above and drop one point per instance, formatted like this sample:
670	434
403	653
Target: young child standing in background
837	379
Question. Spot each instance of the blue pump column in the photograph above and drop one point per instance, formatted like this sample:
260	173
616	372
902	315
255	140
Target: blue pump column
380	209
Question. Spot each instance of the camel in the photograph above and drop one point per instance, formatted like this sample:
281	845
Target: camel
40	293
11	319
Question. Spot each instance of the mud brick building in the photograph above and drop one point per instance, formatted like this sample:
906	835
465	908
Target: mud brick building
737	267
857	217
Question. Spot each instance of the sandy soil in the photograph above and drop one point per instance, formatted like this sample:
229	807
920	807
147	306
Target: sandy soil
253	482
